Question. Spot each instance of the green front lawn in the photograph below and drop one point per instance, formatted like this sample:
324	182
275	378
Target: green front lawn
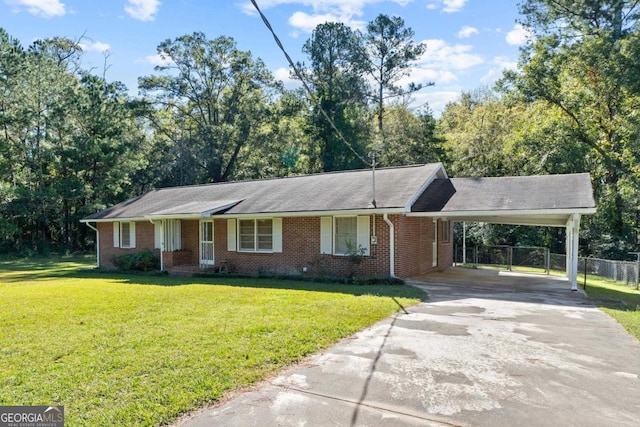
119	349
619	301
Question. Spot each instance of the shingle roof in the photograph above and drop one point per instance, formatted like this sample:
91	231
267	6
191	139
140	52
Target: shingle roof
350	190
522	193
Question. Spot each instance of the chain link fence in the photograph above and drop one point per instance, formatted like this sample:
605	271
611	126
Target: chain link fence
506	256
624	272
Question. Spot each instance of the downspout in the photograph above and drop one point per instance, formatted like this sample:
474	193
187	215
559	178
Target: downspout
161	243
97	243
392	248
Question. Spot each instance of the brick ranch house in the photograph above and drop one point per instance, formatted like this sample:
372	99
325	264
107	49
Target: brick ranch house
314	224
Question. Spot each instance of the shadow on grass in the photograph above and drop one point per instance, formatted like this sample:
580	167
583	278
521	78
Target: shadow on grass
31	270
392	291
619	299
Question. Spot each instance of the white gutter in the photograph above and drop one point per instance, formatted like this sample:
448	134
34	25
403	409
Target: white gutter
97	243
397	210
505	212
392	248
137	218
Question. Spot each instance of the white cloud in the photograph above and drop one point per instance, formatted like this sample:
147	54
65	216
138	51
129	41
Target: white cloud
284	76
96	46
345	11
453	5
142	10
500	65
442	55
306	22
158	59
44	8
355	6
441	63
428	75
466	32
436	100
519	35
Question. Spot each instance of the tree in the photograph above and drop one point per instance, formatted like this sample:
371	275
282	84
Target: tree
584	64
214	96
410	138
335	73
390	52
283	146
476	129
70	141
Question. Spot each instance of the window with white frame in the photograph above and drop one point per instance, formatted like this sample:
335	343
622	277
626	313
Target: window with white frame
346	235
172	234
342	235
124	234
255	235
446	231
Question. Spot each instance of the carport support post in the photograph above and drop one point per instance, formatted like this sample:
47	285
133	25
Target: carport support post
464	243
573	232
547	261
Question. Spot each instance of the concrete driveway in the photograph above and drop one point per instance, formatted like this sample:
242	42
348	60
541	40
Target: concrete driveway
487	349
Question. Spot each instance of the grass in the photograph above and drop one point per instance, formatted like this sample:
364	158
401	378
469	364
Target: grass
614	298
120	349
617	300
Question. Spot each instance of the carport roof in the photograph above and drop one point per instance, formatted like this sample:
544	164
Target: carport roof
546	200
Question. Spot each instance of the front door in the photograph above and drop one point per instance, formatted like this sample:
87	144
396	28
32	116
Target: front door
206	243
434	243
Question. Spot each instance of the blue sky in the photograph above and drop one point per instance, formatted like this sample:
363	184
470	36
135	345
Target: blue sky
469	42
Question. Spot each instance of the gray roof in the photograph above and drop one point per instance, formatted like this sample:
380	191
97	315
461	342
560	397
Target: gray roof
350	190
515	193
424	189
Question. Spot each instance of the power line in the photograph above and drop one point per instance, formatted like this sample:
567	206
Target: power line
306	87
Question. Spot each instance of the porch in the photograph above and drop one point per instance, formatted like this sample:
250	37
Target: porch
181	263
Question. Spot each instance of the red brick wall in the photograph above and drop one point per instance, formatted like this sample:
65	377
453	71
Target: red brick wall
445	249
301	248
191	240
144	240
414	247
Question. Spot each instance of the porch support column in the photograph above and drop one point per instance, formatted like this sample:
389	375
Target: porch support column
573	232
98	243
161	222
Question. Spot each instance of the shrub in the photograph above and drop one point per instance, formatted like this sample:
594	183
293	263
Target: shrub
138	261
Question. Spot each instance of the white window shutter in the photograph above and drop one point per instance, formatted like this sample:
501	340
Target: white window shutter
276	230
132	232
116	234
326	234
157	235
231	234
364	239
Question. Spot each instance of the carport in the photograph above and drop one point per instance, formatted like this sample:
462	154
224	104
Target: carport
543	201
